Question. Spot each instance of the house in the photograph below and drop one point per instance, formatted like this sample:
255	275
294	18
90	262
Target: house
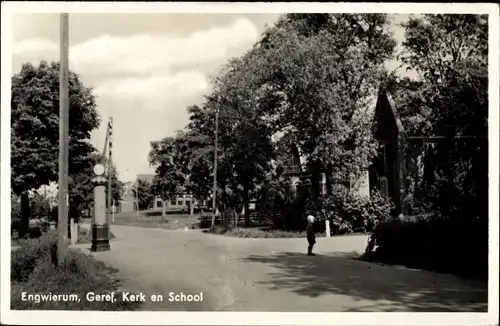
388	167
181	202
295	168
399	165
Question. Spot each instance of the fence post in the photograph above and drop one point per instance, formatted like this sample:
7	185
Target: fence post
72	230
76	232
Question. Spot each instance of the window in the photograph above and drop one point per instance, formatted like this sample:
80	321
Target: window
384	187
172	202
180	202
323	184
159	203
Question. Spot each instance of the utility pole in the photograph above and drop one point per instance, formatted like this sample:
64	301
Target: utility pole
137	198
113	211
110	172
62	218
214	209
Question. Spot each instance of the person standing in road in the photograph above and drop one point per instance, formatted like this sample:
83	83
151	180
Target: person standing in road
311	237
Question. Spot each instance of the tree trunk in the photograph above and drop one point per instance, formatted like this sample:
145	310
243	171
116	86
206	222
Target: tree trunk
163	209
191	208
246	204
25	215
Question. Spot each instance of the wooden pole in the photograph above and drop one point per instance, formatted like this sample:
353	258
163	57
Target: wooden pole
214	207
62	243
137	198
110	172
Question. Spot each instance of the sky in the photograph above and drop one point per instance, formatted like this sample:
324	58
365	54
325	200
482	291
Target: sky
145	69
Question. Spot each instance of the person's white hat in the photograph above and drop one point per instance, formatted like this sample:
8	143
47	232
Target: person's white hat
310	218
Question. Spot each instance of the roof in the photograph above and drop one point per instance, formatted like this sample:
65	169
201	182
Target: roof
384	96
395	113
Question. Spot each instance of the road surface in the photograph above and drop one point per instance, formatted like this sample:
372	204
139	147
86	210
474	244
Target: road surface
237	274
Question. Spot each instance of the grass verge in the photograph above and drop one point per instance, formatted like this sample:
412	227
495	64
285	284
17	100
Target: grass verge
33	272
170	222
84	235
255	232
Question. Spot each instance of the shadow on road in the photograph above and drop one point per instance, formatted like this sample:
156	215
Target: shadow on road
393	288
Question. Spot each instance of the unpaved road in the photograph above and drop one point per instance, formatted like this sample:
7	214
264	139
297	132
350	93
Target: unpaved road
237	274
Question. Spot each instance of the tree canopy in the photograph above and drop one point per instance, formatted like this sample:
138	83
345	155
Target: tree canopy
35	125
449	100
143	190
35	128
306	79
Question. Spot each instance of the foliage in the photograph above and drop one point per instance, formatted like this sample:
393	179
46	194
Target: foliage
35	128
23	260
40	206
15	206
33	272
312	97
143	190
165	156
450	99
257	232
439	244
350	212
319	104
82	187
35	125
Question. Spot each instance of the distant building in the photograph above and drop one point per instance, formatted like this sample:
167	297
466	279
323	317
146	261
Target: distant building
181	202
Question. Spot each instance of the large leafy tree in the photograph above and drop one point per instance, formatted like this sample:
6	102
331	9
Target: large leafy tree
318	73
169	180
35	128
449	101
194	153
246	136
307	79
143	191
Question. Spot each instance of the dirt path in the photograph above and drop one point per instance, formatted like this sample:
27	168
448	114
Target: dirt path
275	275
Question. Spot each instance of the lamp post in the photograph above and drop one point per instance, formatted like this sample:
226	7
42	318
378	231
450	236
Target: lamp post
215	165
100	227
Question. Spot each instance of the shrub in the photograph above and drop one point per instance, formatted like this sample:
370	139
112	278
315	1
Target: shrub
31	251
351	213
33	271
440	244
15	219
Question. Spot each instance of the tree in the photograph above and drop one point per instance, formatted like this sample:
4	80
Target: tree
35	128
194	163
306	78
169	180
143	190
246	143
318	73
81	188
450	100
40	205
